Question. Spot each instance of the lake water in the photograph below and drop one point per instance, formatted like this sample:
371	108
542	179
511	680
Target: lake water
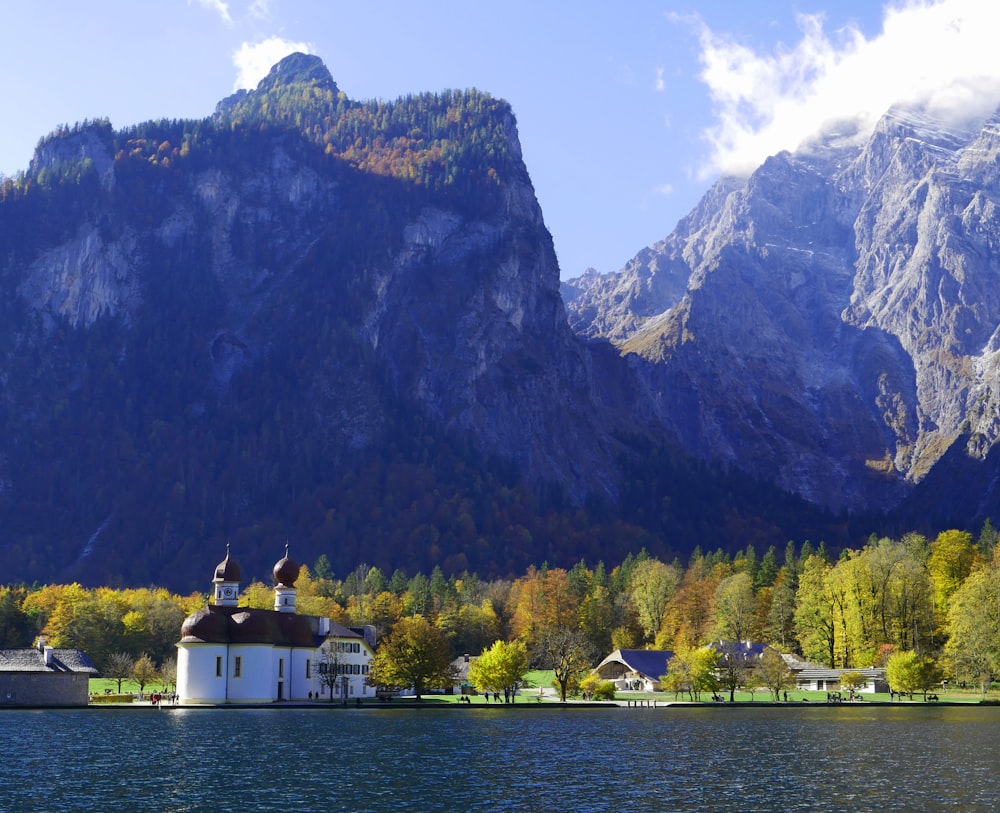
844	758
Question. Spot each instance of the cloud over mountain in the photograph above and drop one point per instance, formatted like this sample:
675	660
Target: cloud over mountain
937	54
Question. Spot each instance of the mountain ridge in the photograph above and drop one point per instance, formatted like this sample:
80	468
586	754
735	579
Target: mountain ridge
847	303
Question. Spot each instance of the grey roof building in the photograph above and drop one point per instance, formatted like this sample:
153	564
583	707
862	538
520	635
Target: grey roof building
44	676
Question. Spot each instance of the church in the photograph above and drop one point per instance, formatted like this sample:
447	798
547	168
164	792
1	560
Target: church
232	654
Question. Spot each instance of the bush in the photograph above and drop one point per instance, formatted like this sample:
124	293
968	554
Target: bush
596	689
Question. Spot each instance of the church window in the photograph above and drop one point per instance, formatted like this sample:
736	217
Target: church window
237	666
218	666
308	668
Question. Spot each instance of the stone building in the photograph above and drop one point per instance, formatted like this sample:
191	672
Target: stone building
44	676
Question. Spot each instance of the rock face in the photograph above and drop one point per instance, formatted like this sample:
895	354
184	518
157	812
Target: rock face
831	322
219	315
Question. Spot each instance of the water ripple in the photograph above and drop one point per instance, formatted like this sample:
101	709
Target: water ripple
505	760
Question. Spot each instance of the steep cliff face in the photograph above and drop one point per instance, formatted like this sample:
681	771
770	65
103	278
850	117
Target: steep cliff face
208	322
837	330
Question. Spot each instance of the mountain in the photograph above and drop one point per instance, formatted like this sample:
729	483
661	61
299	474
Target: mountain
233	326
329	322
830	323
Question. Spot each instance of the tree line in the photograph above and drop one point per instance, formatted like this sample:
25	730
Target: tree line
937	600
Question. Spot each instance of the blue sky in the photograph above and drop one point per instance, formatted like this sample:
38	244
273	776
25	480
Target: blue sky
627	112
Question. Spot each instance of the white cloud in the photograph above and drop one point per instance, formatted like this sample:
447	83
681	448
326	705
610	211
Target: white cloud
260	10
220	7
253	61
659	84
939	53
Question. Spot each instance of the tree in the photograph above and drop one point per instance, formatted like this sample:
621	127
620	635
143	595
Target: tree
501	668
328	668
15	626
852	681
814	620
144	671
774	674
779	622
593	687
118	666
651	585
950	562
691	670
735	662
735	608
414	655
973	648
906	673
168	672
566	652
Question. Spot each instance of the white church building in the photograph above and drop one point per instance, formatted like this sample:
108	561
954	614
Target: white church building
233	654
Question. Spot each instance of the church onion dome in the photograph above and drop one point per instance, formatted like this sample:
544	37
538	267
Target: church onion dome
207	626
254	627
227	570
286	571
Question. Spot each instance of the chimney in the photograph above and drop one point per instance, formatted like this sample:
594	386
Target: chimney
48	655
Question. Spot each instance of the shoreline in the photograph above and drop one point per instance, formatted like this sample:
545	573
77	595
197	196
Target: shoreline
628	705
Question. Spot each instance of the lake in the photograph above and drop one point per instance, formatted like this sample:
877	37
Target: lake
558	760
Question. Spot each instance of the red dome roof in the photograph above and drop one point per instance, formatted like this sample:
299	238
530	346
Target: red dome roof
286	571
254	627
207	625
227	570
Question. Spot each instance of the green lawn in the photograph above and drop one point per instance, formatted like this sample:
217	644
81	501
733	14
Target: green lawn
101	685
796	696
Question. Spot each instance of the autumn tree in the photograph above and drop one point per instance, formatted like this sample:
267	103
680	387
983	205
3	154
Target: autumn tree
118	666
779	621
735	608
907	672
501	668
952	555
328	669
15	626
774	674
594	687
735	662
651	585
543	600
973	647
144	671
814	618
168	672
852	681
689	612
566	652
692	669
415	655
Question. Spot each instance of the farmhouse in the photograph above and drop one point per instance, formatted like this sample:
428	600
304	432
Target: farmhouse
635	669
44	676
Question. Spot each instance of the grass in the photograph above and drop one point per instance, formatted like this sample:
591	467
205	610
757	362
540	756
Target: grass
101	685
796	696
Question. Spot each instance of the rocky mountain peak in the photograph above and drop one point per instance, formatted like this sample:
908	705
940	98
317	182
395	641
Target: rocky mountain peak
307	72
835	317
299	69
